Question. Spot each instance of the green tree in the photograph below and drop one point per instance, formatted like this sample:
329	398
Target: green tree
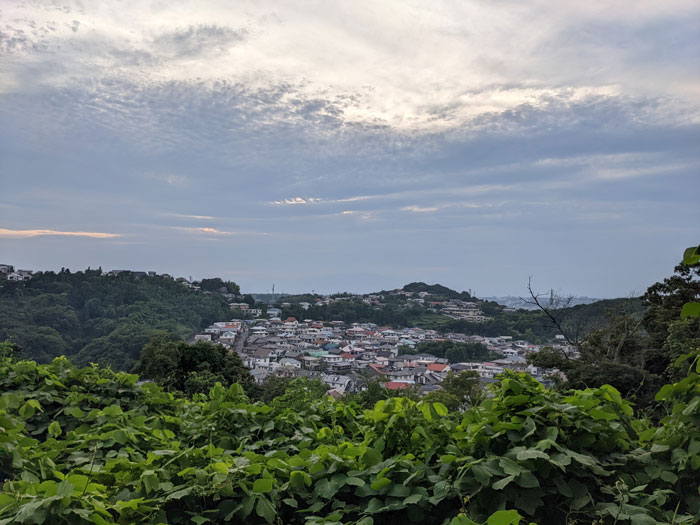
465	387
301	392
635	353
273	387
192	369
451	401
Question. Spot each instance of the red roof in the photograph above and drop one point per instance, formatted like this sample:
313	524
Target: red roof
377	368
435	367
291	320
347	356
396	385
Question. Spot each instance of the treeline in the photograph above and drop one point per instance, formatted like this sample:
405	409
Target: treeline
453	352
436	291
532	326
93	317
354	310
637	353
536	327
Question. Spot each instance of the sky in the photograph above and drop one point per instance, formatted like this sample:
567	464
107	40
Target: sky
353	146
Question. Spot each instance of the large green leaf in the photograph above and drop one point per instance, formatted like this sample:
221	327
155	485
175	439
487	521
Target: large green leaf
691	309
265	509
504	517
502	483
691	255
263	485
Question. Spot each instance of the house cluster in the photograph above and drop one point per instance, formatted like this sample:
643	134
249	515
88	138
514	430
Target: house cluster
246	309
458	309
345	357
454	308
225	333
8	272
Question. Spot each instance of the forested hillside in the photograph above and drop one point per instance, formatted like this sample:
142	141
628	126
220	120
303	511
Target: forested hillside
92	317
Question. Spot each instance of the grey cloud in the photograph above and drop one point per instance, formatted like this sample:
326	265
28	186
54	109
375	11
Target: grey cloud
90	147
197	40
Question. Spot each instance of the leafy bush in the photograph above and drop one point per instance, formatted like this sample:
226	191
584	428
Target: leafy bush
89	445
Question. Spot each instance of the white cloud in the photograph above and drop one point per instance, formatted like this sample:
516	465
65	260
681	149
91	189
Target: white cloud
421	209
23	234
633	172
410	66
296	200
215	231
186	216
208	231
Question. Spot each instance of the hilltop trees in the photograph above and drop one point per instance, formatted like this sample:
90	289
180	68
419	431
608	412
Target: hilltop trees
216	285
93	317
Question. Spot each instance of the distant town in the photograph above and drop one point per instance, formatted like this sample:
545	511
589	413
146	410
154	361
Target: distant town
346	356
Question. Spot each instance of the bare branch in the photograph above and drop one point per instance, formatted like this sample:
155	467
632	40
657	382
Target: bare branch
548	312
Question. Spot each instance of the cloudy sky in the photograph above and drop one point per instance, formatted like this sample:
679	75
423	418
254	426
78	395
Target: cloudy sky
353	145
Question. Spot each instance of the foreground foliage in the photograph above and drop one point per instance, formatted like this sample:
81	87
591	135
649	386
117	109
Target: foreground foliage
88	445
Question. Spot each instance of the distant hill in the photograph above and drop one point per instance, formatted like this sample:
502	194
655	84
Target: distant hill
93	317
436	289
524	303
535	327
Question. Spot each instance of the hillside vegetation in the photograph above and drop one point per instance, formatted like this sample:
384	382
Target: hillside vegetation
92	317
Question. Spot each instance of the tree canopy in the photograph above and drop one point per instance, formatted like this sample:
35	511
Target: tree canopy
636	353
192	368
107	319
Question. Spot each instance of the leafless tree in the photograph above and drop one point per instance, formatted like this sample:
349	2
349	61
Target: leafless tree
549	304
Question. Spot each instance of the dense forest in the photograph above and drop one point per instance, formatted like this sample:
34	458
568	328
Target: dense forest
92	317
453	352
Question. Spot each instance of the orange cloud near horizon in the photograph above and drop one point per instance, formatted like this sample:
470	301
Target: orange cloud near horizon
24	234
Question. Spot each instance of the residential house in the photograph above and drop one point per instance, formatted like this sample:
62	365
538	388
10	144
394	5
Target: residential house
439	369
274	312
337	382
288	361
